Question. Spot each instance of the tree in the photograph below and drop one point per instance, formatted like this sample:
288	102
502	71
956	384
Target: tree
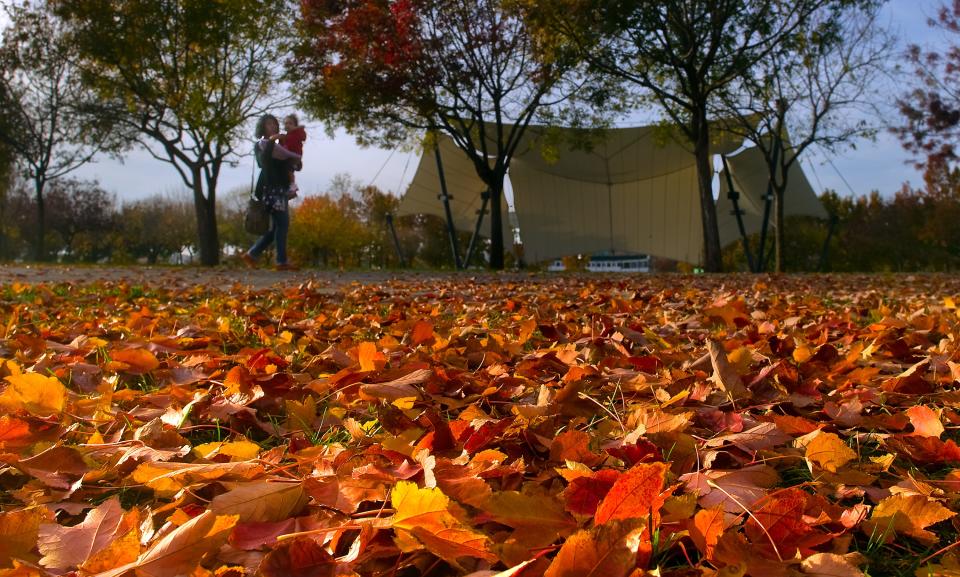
387	70
683	55
818	89
49	125
931	110
156	227
188	76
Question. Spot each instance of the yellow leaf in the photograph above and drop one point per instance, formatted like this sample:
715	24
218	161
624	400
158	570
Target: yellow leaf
829	452
425	514
35	393
240	450
906	514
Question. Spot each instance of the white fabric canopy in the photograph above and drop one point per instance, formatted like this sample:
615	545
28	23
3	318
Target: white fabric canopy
749	173
463	184
633	192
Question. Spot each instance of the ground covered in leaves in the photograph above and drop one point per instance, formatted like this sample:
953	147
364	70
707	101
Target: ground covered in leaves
525	426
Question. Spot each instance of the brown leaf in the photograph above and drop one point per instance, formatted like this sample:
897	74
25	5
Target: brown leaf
302	557
18	533
724	375
65	547
180	551
261	501
401	388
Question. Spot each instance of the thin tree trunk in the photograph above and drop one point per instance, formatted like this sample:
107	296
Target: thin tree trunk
712	258
496	221
778	196
40	249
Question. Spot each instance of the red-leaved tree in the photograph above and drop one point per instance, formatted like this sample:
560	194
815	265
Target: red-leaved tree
390	71
932	109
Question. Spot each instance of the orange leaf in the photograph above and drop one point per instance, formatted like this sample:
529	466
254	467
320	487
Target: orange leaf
573	445
425	515
779	520
541	513
18	533
635	494
369	356
14	433
137	361
584	494
608	550
925	421
828	451
907	515
180	551
705	529
35	393
422	332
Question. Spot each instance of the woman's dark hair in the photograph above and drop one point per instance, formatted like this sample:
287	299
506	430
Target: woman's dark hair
262	125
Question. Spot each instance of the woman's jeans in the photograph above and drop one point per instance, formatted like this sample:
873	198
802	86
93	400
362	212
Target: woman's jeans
279	226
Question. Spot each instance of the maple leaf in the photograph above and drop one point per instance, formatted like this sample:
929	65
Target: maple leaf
925	421
425	514
302	557
261	501
180	551
724	375
584	494
136	361
608	550
542	513
908	515
18	533
778	523
65	547
34	393
705	529
636	493
827	451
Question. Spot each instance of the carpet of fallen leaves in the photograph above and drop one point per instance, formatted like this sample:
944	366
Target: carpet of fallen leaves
557	426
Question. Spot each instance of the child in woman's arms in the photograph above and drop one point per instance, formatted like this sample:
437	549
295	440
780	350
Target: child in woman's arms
293	141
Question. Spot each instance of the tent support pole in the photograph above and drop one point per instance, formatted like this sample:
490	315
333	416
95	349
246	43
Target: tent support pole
485	195
396	240
445	197
734	197
767	202
825	251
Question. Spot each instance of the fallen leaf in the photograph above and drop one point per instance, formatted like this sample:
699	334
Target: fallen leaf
724	375
608	550
66	547
36	394
425	514
828	451
136	361
705	529
906	515
180	551
261	501
925	421
635	494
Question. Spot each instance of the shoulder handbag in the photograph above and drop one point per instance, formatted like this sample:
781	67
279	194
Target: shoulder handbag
256	218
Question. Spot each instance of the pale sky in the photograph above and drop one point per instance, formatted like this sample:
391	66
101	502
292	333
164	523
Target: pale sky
882	165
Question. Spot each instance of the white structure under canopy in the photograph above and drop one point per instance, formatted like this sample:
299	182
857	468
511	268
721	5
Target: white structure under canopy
634	191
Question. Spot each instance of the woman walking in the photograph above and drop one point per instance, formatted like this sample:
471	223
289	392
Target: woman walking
273	187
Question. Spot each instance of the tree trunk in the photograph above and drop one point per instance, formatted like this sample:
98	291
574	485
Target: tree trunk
712	259
40	249
205	206
778	194
496	221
